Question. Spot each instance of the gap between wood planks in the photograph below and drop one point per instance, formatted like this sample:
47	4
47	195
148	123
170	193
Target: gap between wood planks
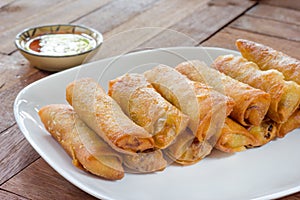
225	25
253	18
20	171
267	27
82	16
265	34
2	131
283	3
275	13
13	160
226	39
5	3
271	19
12	195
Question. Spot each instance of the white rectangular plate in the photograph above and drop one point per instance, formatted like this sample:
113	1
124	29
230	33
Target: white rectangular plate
267	172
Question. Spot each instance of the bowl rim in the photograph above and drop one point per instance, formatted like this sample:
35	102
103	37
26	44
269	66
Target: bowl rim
98	44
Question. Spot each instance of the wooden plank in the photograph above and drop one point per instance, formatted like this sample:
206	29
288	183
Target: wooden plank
291	197
52	12
4	3
34	183
292	4
218	14
201	24
13	69
9	93
115	13
268	27
285	15
4	195
17	12
226	39
15	153
129	35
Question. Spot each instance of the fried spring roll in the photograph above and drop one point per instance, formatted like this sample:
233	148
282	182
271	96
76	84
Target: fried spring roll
285	95
145	162
87	149
265	132
147	108
102	114
187	149
267	58
234	138
206	108
292	123
251	104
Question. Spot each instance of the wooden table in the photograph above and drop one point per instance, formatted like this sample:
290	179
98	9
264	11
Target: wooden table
23	173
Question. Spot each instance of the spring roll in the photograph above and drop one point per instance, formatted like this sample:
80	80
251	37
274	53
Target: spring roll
285	95
145	162
264	133
87	149
234	138
267	58
206	108
187	149
147	108
103	115
292	123
251	104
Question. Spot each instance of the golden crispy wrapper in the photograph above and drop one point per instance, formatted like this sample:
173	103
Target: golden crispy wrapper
267	58
234	137
292	123
145	162
251	104
187	149
87	149
102	114
147	108
285	95
206	108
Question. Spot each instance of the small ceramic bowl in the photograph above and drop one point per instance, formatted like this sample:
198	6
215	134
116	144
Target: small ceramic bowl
57	61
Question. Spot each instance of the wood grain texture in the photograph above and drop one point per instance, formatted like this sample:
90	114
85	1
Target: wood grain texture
285	15
4	195
268	27
4	3
40	181
115	13
14	69
291	197
128	36
200	25
41	13
293	4
9	94
17	11
209	20
226	39
15	153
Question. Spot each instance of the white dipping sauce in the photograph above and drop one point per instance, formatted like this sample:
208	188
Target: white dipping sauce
60	44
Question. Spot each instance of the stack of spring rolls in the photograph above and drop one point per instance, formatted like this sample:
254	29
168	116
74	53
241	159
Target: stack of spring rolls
177	115
271	71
